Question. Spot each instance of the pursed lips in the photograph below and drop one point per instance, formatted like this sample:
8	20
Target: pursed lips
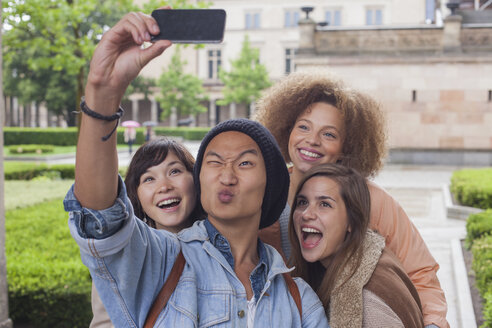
225	196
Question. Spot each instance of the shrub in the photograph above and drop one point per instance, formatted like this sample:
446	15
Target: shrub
195	133
473	187
31	149
48	284
482	263
487	310
28	171
477	226
40	136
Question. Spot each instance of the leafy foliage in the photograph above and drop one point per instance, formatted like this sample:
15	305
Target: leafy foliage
473	187
180	90
48	44
48	284
477	226
247	78
142	85
31	149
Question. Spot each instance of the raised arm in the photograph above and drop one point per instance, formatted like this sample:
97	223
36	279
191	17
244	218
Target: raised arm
117	60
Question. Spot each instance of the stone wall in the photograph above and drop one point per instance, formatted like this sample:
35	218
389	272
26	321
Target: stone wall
437	93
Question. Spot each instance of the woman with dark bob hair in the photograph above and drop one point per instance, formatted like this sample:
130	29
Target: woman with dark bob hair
358	280
317	119
159	183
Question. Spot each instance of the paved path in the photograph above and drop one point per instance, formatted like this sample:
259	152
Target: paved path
420	192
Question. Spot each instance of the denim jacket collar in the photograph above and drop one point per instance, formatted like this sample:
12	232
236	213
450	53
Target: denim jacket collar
258	276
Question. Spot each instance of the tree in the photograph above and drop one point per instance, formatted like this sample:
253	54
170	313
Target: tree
48	45
247	78
179	91
140	84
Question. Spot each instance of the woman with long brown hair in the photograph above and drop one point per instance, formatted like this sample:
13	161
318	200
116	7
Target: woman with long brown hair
359	281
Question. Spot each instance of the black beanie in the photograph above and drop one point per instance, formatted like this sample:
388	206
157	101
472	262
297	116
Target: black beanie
277	184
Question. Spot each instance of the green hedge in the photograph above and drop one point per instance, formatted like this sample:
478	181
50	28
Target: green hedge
68	136
473	187
482	265
28	171
48	284
30	149
477	226
41	136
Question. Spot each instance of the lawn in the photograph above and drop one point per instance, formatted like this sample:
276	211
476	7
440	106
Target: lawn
58	150
21	193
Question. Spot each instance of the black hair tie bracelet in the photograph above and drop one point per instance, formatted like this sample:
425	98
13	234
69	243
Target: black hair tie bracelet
116	116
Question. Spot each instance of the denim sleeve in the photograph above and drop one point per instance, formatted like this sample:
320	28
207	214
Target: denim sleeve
99	224
313	312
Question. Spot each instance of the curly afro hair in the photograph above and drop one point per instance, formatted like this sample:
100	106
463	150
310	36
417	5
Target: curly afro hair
364	146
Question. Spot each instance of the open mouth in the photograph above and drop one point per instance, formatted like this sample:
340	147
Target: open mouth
169	203
310	237
309	155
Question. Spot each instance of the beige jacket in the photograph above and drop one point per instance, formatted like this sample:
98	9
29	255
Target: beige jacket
101	317
378	294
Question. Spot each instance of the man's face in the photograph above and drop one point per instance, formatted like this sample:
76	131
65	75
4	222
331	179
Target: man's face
232	179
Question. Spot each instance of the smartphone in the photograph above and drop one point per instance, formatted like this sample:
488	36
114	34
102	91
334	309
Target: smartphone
190	25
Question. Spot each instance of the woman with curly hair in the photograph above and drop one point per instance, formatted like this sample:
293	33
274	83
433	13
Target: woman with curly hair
316	119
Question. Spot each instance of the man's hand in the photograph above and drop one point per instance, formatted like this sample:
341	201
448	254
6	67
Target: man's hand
118	59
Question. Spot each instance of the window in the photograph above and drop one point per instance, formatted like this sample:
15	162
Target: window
333	17
252	20
374	16
430	8
214	63
291	18
289	60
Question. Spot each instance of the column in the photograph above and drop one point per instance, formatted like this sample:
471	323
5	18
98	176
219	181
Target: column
212	119
232	110
43	116
32	115
135	109
173	119
252	109
153	110
15	112
451	39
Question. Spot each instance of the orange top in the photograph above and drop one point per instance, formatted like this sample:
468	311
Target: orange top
402	237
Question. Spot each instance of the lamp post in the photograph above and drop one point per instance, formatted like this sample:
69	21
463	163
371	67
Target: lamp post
453	5
307	10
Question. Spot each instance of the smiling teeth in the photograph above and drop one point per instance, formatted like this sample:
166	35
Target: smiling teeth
310	154
310	230
168	201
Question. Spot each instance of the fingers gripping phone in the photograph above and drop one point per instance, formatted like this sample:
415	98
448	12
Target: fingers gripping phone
190	25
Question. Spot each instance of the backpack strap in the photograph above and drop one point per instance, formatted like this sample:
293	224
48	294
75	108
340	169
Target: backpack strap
294	291
166	291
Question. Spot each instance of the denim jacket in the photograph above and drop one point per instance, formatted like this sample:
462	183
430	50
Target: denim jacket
129	263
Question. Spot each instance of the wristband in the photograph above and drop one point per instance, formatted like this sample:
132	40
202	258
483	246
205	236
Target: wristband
116	116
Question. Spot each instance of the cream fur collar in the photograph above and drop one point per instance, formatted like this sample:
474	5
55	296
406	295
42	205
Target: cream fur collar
346	306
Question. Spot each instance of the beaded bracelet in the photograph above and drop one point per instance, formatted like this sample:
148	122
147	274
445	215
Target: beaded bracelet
116	116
